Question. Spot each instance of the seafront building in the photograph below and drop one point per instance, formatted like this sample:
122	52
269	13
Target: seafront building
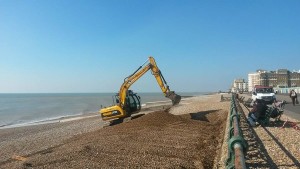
253	79
281	80
239	85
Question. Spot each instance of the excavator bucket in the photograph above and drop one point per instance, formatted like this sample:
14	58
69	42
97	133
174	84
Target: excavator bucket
174	97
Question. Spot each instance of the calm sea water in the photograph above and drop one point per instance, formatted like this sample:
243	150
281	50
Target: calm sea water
18	109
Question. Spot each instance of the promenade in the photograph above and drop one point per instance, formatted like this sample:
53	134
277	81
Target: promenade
276	145
290	110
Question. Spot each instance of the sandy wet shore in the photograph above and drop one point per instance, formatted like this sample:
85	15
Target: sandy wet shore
21	145
30	139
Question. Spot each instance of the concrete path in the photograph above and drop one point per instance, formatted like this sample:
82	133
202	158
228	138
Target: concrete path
290	110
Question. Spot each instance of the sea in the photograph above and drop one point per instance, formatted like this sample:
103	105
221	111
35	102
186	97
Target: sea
35	108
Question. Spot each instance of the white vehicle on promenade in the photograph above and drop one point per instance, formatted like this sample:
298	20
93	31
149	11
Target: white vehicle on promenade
265	93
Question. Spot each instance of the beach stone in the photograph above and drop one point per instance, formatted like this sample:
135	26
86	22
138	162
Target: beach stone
182	138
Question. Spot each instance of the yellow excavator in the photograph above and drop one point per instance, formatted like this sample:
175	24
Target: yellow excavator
128	102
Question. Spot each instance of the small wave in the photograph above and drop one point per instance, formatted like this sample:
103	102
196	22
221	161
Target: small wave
3	125
30	123
22	123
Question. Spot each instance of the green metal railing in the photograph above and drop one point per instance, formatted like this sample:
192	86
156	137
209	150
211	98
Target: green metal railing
237	146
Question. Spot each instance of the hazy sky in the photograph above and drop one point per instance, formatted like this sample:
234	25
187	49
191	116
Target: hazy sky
91	46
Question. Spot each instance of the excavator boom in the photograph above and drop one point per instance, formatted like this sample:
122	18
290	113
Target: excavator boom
128	102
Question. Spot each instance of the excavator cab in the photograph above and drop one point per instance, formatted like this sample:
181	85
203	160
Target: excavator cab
132	103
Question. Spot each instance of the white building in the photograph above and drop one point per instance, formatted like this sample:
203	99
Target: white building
239	85
253	79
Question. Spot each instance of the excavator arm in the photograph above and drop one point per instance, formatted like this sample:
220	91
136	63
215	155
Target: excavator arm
122	110
158	76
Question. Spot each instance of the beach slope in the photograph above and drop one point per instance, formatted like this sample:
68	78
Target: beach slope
188	135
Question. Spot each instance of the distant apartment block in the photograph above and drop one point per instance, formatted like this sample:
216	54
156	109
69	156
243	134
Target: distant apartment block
282	78
253	79
239	85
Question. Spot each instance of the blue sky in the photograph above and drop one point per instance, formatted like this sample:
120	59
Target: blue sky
91	46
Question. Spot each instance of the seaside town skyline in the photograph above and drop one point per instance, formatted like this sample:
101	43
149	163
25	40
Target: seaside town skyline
279	78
